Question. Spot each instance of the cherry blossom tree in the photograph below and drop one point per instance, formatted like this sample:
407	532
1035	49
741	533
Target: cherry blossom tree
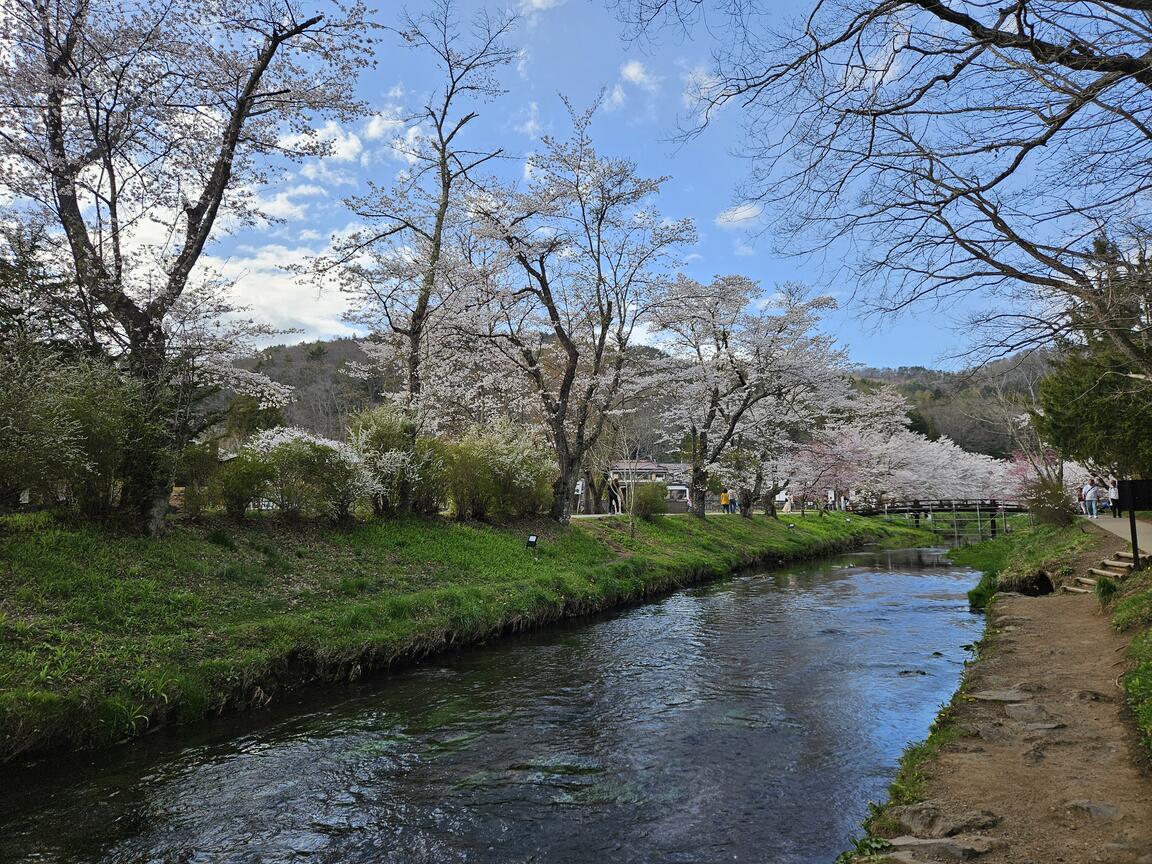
132	127
725	358
586	264
813	395
405	263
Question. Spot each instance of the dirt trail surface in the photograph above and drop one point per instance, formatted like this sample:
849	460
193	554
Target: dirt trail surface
1047	766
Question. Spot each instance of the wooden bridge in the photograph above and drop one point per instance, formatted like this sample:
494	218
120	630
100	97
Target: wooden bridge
959	520
943	505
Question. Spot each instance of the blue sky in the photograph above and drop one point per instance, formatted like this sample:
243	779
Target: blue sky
575	48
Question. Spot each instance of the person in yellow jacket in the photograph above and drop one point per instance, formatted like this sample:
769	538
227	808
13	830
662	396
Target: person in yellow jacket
724	501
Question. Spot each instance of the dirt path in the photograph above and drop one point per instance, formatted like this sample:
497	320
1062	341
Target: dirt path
1046	747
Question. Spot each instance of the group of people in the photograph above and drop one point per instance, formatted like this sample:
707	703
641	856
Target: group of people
729	501
1095	496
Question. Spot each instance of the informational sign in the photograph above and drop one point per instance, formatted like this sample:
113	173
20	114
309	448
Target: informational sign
1135	494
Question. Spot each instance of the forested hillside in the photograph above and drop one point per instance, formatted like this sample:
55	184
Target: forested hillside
965	406
968	406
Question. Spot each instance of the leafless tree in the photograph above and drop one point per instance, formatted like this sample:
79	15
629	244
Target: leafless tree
587	257
964	149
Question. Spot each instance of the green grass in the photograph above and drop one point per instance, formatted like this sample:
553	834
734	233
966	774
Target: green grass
1011	560
1133	612
104	636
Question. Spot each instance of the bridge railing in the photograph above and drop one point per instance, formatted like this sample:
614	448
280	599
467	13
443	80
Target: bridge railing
959	520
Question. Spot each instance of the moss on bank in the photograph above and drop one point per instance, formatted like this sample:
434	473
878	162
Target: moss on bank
1013	562
103	636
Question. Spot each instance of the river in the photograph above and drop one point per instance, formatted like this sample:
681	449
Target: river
751	720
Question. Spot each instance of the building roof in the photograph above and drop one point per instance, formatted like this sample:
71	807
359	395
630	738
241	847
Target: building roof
649	465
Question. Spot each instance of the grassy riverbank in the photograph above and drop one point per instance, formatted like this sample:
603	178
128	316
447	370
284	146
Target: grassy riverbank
103	637
1013	561
1133	612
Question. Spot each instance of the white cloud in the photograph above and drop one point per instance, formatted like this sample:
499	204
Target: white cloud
321	172
740	216
523	58
344	146
634	75
405	147
527	7
531	124
744	250
281	298
634	72
699	85
616	98
283	205
381	126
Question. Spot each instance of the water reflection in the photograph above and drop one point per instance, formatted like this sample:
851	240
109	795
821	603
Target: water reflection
751	719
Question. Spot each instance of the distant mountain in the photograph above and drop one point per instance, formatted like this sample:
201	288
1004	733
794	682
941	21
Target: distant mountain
325	393
961	405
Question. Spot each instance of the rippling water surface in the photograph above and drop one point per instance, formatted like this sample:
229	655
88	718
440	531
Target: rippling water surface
750	720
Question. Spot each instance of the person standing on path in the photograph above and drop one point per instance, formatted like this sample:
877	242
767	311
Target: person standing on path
1091	493
724	501
1114	497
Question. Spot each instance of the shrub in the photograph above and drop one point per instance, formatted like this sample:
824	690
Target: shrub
241	480
1049	502
405	468
649	499
66	425
497	474
194	471
1106	590
312	475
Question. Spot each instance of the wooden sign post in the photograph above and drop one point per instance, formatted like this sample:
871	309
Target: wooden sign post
1135	495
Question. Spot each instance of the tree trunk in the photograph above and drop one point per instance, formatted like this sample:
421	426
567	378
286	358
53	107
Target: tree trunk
699	486
151	464
564	490
749	497
746	500
593	494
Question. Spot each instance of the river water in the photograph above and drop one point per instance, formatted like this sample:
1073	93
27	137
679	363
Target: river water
748	720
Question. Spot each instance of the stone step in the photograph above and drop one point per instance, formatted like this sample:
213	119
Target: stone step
1091	583
1071	589
1122	565
1127	556
1111	574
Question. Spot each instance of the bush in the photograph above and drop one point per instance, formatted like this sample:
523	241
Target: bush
1106	590
312	475
241	480
497	474
649	499
1049	502
297	476
66	425
194	471
405	468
